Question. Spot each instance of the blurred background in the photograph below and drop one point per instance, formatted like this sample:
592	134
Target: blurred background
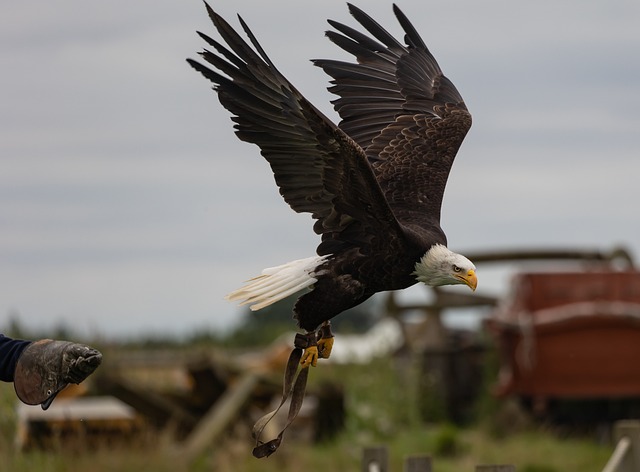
128	208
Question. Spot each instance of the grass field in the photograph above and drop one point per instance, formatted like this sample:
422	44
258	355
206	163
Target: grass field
381	410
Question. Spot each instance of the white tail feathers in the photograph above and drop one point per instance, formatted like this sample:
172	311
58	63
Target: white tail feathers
276	283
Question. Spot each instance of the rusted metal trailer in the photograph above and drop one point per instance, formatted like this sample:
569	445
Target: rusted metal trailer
570	335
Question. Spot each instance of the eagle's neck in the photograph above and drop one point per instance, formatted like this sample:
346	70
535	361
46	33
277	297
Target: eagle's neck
430	269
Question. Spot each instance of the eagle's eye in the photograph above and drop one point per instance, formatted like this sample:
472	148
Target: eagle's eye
456	268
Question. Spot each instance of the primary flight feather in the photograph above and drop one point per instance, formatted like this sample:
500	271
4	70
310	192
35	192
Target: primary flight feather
373	183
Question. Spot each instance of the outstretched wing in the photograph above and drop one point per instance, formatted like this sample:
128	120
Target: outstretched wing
399	107
318	168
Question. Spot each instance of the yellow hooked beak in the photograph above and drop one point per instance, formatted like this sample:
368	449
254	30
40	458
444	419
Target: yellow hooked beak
469	279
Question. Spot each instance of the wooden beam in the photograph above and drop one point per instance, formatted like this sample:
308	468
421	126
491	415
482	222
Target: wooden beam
626	456
158	409
219	416
417	463
496	468
375	459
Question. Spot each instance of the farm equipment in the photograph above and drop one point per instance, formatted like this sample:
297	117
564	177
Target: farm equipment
570	336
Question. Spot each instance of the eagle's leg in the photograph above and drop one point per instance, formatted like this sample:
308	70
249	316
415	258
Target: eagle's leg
308	342
325	343
316	344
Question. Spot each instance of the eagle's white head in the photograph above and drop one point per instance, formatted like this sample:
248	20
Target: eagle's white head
440	266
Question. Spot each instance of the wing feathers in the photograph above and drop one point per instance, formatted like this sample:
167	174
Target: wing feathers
374	28
356	36
316	166
396	103
412	37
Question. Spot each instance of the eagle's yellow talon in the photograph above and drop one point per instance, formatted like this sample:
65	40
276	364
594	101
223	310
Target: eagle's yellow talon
310	357
324	347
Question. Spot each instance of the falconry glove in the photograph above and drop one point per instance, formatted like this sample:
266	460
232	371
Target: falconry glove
46	367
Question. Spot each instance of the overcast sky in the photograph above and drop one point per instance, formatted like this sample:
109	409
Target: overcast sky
127	204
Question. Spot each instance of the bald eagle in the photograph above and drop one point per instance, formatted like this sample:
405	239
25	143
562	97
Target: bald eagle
374	183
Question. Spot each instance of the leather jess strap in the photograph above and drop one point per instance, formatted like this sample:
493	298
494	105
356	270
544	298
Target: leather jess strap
295	384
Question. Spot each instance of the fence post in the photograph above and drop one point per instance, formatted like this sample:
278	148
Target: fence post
417	463
375	459
629	429
496	468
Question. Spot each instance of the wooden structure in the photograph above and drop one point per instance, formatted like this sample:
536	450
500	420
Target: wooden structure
450	361
213	394
626	455
82	418
570	335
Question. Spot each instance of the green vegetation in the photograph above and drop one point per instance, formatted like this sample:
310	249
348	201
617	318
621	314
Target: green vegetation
381	409
386	403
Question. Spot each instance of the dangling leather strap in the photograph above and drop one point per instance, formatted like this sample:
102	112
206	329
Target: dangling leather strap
294	386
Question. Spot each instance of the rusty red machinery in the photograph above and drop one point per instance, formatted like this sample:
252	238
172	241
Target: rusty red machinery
571	335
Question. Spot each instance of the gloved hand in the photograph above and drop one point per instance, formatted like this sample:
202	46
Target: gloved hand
45	367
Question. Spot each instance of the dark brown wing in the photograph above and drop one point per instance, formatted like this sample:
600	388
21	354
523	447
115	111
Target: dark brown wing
399	107
318	168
